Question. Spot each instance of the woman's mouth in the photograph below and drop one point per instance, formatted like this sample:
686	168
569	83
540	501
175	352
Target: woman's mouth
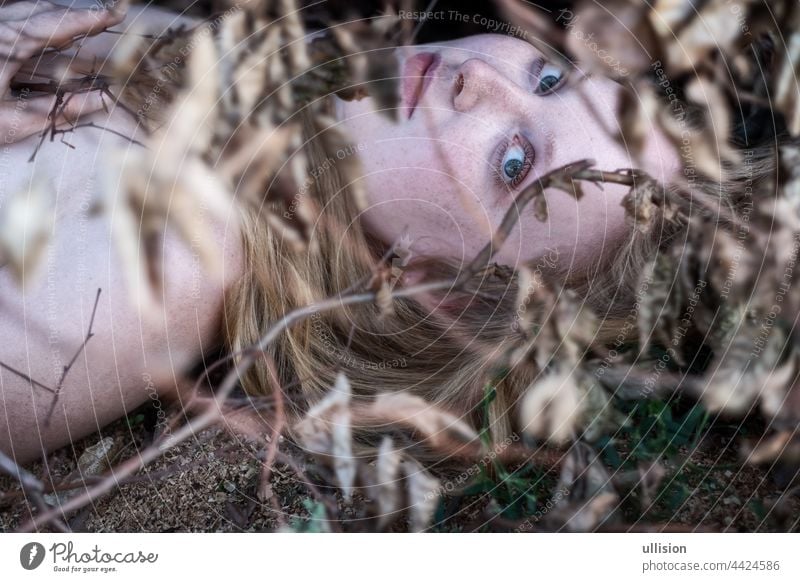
417	75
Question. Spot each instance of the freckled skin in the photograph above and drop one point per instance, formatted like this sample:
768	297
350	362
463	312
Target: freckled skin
432	175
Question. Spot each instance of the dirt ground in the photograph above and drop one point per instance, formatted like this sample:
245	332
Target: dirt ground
210	485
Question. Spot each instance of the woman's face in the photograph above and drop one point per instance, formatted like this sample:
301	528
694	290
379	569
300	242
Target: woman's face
480	119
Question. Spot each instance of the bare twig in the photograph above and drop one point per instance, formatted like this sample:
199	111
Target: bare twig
26	377
33	487
68	367
55	391
64	92
277	425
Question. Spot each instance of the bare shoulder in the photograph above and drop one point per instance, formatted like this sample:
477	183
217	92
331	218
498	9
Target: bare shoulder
81	351
81	283
195	287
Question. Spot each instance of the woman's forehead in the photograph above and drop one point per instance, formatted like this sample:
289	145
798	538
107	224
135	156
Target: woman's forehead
494	44
502	51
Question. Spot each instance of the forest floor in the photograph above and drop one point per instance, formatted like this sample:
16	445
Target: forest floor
210	485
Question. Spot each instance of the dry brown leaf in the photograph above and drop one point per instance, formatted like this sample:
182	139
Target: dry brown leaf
551	407
423	494
772	448
718	124
587	496
786	94
344	463
668	15
294	37
326	430
435	425
537	28
92	463
94	459
775	391
743	372
170	184
640	205
598	411
714	28
26	225
388	482
314	428
614	38
384	300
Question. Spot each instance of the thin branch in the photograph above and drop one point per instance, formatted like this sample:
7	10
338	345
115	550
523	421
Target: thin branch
278	424
68	367
64	92
33	486
26	377
89	335
28	480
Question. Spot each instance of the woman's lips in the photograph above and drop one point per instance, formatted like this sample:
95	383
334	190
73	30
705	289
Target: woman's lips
417	75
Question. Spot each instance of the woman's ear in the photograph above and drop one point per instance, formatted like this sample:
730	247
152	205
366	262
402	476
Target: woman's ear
412	274
448	304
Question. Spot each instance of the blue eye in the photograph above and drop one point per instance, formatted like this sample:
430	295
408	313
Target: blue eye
513	162
516	161
549	80
513	167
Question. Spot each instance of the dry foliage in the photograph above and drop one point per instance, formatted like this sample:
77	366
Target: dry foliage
230	136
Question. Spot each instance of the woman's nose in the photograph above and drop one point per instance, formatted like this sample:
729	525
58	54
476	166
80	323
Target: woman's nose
476	82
